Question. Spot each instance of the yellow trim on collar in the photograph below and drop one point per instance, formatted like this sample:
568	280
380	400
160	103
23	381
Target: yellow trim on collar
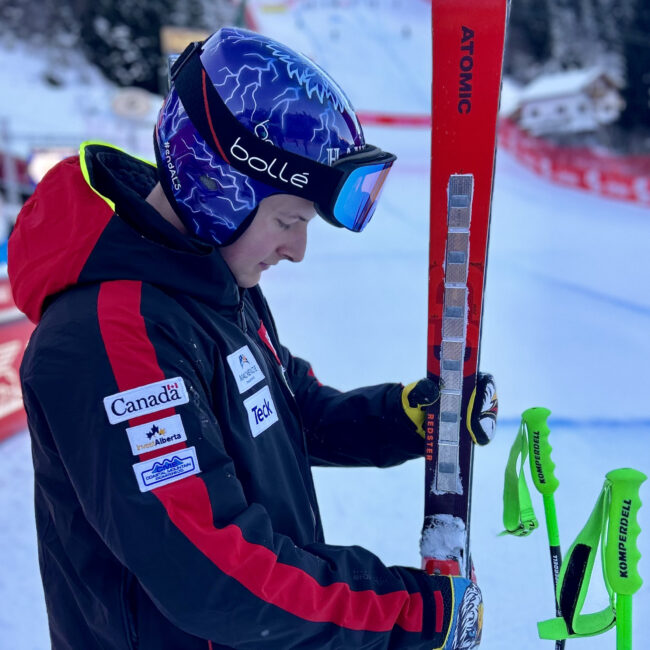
84	166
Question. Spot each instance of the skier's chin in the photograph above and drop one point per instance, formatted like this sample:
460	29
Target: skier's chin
250	279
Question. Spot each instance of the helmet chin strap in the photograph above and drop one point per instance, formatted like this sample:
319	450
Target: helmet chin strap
242	228
165	184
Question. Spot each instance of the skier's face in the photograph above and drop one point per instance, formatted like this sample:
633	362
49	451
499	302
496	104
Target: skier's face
278	232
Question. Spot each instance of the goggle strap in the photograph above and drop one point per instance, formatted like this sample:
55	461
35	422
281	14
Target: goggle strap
242	149
180	60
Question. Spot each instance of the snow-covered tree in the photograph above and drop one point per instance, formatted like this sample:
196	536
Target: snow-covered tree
528	41
122	38
636	47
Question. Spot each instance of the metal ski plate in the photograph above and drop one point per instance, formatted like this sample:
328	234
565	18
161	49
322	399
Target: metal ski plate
454	325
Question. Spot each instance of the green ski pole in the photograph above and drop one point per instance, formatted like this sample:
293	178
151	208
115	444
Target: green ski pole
541	469
622	554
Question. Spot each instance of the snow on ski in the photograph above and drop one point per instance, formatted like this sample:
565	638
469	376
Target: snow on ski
468	40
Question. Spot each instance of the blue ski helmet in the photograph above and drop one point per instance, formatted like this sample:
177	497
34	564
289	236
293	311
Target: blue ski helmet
247	117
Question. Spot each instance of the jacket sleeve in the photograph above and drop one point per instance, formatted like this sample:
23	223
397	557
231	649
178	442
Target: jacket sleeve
179	519
365	426
362	427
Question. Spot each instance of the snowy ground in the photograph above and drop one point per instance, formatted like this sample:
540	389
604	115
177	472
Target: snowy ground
566	322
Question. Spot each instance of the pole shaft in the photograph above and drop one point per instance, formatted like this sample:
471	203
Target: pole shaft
550	513
623	622
553	533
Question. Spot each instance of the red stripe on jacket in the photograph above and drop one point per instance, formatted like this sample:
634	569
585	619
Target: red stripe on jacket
257	568
187	502
130	352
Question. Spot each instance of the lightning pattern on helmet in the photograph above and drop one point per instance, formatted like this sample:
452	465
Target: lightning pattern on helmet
213	196
279	95
303	109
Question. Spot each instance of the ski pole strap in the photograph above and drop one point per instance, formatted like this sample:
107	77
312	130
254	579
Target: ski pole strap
613	523
575	576
518	514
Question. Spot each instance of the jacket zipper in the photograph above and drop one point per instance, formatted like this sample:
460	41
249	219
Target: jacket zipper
242	317
279	369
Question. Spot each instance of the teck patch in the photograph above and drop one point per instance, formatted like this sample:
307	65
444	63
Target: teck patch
261	411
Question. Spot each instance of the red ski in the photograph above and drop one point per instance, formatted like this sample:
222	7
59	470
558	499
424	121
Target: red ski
468	41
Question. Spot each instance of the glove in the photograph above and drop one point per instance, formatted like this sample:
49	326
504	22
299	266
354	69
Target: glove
457	615
467	626
481	411
416	398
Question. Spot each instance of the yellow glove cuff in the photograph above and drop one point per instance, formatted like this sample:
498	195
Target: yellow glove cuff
414	413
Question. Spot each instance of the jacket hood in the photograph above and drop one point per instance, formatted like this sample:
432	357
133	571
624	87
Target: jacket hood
88	222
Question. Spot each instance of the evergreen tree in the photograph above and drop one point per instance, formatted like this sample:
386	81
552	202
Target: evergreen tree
38	21
122	38
636	47
528	42
567	44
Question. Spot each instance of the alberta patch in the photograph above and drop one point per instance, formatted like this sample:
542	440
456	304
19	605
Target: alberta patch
261	411
245	368
166	469
145	399
156	434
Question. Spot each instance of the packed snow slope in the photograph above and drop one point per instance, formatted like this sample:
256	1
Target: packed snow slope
566	319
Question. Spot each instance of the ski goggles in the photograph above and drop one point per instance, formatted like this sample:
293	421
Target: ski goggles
353	202
345	193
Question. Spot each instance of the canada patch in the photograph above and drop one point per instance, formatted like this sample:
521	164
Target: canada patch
245	368
162	470
156	434
154	397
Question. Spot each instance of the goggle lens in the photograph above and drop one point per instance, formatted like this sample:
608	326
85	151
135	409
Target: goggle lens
357	199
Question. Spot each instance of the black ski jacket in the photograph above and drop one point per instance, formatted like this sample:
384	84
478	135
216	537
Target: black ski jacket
173	436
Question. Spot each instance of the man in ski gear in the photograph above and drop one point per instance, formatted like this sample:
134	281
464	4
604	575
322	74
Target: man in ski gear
173	433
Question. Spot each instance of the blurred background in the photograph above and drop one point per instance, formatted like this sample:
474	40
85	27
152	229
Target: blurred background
577	71
567	306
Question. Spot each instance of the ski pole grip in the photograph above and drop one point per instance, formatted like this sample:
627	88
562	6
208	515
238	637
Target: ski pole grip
622	554
541	465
